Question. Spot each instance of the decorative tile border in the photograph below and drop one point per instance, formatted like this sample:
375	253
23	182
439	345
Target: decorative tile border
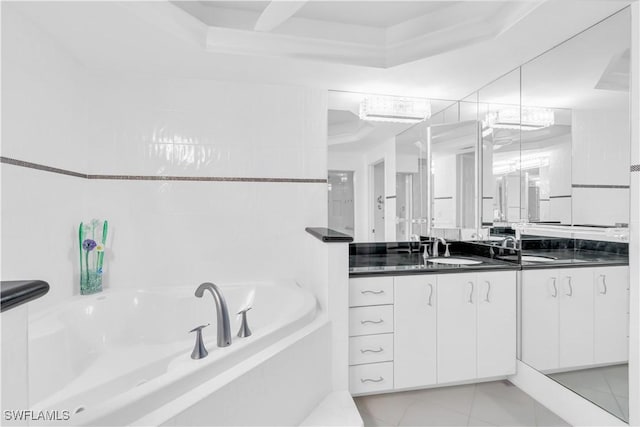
635	168
37	166
599	186
45	168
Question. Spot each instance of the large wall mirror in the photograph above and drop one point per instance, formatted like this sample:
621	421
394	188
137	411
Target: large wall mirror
377	169
547	143
574	169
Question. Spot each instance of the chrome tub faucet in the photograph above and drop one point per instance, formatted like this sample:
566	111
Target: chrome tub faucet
222	313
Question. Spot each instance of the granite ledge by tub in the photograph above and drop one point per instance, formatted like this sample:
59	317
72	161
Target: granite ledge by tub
328	235
14	293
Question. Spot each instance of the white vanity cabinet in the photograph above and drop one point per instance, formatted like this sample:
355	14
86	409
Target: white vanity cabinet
371	331
574	317
611	315
457	327
415	331
476	325
445	328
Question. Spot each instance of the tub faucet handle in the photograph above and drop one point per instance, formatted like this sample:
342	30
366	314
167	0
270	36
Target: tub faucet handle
244	326
199	350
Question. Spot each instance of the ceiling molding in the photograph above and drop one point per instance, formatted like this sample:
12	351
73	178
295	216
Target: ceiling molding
451	27
276	13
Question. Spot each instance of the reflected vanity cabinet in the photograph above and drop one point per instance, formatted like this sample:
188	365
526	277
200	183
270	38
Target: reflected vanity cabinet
575	317
423	330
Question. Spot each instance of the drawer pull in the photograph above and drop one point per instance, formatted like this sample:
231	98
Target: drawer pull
471	293
555	289
371	380
488	290
371	321
367	291
369	350
430	293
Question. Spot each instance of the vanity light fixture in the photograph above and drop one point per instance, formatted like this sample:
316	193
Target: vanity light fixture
527	118
394	109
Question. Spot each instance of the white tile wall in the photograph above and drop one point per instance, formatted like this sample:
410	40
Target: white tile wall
183	233
161	233
44	112
41	212
602	206
199	127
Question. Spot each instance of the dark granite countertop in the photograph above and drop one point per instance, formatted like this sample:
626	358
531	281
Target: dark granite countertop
17	292
405	264
563	258
396	259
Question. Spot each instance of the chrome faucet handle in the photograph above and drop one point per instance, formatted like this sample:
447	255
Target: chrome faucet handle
446	252
244	330
199	350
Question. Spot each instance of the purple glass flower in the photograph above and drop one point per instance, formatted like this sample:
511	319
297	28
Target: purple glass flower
88	245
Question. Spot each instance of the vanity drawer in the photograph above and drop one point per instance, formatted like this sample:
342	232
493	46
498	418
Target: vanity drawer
370	291
371	377
370	349
377	319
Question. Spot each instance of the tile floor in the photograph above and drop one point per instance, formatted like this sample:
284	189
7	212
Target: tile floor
607	387
498	403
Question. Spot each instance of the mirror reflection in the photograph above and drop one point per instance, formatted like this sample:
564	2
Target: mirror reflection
574	170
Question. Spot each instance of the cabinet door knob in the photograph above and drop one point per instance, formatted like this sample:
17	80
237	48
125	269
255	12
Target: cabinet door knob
604	284
555	288
570	294
371	380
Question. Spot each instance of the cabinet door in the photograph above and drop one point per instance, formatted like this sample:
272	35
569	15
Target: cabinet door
611	323
540	292
576	317
496	299
456	344
415	331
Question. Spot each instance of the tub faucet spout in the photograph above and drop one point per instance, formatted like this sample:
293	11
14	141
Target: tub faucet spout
222	313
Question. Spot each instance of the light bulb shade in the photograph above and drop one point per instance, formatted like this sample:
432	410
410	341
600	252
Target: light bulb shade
394	109
526	118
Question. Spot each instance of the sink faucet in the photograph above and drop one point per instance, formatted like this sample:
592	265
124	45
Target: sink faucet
506	240
224	327
434	248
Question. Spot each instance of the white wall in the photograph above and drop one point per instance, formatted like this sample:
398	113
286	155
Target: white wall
634	225
44	119
600	157
161	232
168	233
359	162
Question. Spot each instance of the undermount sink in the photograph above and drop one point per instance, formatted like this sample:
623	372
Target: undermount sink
535	258
456	261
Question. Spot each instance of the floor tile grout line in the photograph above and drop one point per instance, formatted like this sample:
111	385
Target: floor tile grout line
606	380
473	400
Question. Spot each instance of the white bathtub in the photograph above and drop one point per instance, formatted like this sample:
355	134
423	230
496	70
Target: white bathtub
114	357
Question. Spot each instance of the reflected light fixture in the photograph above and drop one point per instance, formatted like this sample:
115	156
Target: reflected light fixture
394	109
527	118
519	163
